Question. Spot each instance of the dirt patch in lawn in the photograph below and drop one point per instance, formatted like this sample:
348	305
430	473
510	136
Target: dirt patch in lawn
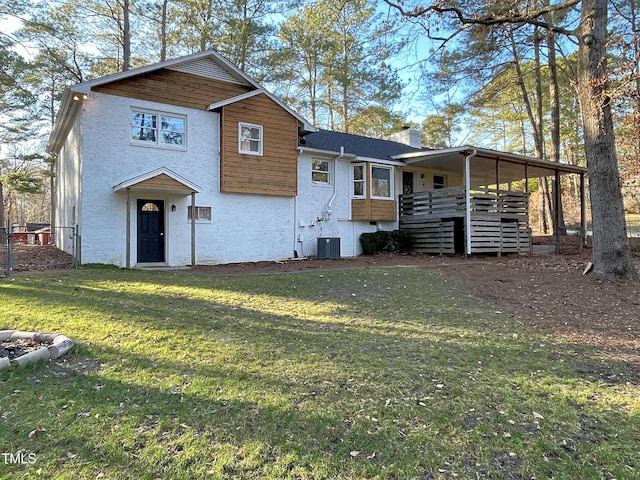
39	257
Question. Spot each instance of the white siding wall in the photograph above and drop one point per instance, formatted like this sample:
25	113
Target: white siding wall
423	178
313	200
243	227
68	187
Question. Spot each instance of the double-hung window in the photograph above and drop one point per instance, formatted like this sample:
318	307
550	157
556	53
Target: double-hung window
381	182
359	181
439	181
250	139
158	129
320	172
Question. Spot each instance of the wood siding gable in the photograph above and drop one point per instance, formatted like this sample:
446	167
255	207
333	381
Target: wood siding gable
275	172
173	87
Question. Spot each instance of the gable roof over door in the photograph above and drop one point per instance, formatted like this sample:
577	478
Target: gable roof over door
161	180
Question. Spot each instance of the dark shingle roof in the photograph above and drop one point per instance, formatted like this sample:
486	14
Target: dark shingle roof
357	144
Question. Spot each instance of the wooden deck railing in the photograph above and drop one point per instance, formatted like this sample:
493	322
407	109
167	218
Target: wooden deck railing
444	201
499	220
450	202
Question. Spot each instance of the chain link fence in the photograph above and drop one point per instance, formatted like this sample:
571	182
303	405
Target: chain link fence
48	247
6	254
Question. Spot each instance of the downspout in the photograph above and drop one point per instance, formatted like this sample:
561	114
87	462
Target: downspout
467	198
295	226
329	210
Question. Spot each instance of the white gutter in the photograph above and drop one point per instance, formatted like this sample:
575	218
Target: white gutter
237	98
379	161
64	120
331	153
467	198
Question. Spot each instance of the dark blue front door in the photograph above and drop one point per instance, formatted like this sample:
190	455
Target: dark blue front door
150	231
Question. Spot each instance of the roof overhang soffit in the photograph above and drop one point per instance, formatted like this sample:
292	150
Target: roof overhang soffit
237	98
304	124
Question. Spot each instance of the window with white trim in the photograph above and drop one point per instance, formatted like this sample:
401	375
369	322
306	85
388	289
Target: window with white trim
359	180
381	181
202	213
321	172
439	181
158	129
250	139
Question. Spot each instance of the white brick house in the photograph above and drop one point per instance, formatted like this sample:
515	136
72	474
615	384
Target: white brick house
131	197
190	161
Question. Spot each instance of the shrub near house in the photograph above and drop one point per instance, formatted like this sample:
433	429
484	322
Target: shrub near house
385	241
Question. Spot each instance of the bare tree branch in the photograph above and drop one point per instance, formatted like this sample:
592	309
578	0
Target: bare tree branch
531	17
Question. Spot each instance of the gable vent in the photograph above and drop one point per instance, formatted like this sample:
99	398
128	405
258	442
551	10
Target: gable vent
207	67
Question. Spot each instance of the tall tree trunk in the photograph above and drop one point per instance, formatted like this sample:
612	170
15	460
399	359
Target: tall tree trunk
126	37
537	121
611	252
636	55
545	205
163	31
554	149
545	208
535	125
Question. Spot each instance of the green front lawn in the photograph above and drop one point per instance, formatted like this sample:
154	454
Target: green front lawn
389	373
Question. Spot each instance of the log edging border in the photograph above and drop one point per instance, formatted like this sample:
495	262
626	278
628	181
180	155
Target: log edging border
59	345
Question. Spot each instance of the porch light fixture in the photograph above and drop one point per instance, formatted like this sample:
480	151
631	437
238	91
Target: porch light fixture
84	96
173	207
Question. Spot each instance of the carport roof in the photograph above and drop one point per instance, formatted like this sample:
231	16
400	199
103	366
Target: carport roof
483	164
512	167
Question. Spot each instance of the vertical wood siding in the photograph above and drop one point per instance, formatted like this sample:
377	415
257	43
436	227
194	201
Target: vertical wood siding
373	209
275	172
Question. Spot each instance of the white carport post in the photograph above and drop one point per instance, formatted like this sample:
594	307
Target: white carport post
193	229
583	213
467	200
128	231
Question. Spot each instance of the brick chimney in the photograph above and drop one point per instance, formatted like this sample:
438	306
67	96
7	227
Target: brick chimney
408	136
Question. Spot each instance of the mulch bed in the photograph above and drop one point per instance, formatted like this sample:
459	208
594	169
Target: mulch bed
17	348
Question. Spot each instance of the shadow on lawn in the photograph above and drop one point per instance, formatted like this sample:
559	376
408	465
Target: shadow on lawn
144	432
436	321
179	430
301	392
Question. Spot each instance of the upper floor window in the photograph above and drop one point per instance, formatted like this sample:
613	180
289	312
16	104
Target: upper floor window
381	182
153	128
321	172
250	139
359	180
